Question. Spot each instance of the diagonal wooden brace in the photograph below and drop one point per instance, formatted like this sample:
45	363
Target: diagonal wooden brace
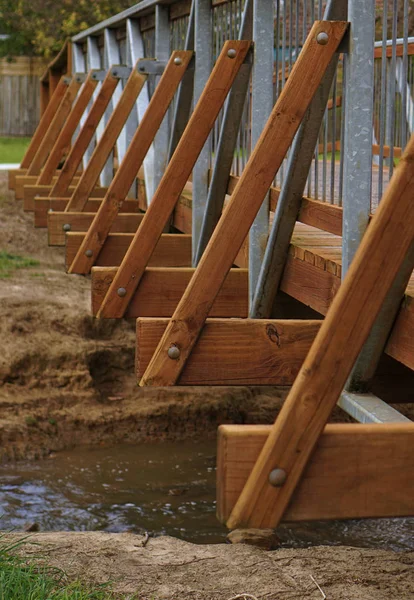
85	135
324	373
188	320
137	150
176	175
105	145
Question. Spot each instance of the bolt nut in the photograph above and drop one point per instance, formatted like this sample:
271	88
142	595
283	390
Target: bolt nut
66	227
121	292
141	68
89	253
177	61
231	53
277	477
322	38
115	73
174	352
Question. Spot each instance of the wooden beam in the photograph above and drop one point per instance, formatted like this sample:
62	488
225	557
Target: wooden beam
234	225
401	341
43	205
32	192
399	50
161	289
45	122
81	221
176	176
172	250
63	142
55	127
132	162
236	351
356	471
337	346
86	134
21	181
108	139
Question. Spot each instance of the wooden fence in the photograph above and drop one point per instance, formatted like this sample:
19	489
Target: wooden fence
20	95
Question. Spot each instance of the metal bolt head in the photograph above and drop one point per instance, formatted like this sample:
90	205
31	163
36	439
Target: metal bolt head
231	53
174	352
66	227
277	477
121	292
141	68
177	60
322	38
89	253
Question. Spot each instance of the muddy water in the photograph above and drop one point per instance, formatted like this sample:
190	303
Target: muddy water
163	489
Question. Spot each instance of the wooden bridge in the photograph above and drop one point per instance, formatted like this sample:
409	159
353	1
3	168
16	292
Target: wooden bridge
124	199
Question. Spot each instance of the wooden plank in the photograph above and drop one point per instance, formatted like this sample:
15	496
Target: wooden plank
32	192
109	136
161	289
236	351
86	134
12	175
399	50
132	162
80	221
175	177
43	205
21	181
336	348
45	122
63	142
234	225
356	471
172	250
401	341
55	127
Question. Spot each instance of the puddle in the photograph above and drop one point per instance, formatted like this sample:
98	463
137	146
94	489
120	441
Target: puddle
165	489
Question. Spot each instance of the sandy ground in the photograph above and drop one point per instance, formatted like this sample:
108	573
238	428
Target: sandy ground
167	568
67	379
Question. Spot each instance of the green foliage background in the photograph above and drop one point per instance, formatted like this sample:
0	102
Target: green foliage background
40	27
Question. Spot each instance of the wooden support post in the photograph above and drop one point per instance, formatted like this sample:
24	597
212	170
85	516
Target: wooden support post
233	227
161	290
134	157
64	139
55	127
85	135
45	122
105	145
172	250
236	351
330	360
58	223
175	177
356	471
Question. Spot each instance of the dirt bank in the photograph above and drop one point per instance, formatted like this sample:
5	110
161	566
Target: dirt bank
167	568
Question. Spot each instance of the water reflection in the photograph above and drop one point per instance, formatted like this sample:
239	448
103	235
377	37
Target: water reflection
164	488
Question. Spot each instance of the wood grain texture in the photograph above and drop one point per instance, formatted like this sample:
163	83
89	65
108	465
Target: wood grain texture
356	471
54	129
107	141
45	122
63	142
234	225
85	136
132	162
175	177
161	289
33	191
22	181
401	341
43	205
172	250
236	351
332	356
81	221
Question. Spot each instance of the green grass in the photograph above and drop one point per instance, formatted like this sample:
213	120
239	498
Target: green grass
9	263
12	149
21	579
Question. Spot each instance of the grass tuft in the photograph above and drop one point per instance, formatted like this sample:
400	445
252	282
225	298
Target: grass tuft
24	580
10	262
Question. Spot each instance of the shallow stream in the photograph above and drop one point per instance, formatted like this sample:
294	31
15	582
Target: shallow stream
166	488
